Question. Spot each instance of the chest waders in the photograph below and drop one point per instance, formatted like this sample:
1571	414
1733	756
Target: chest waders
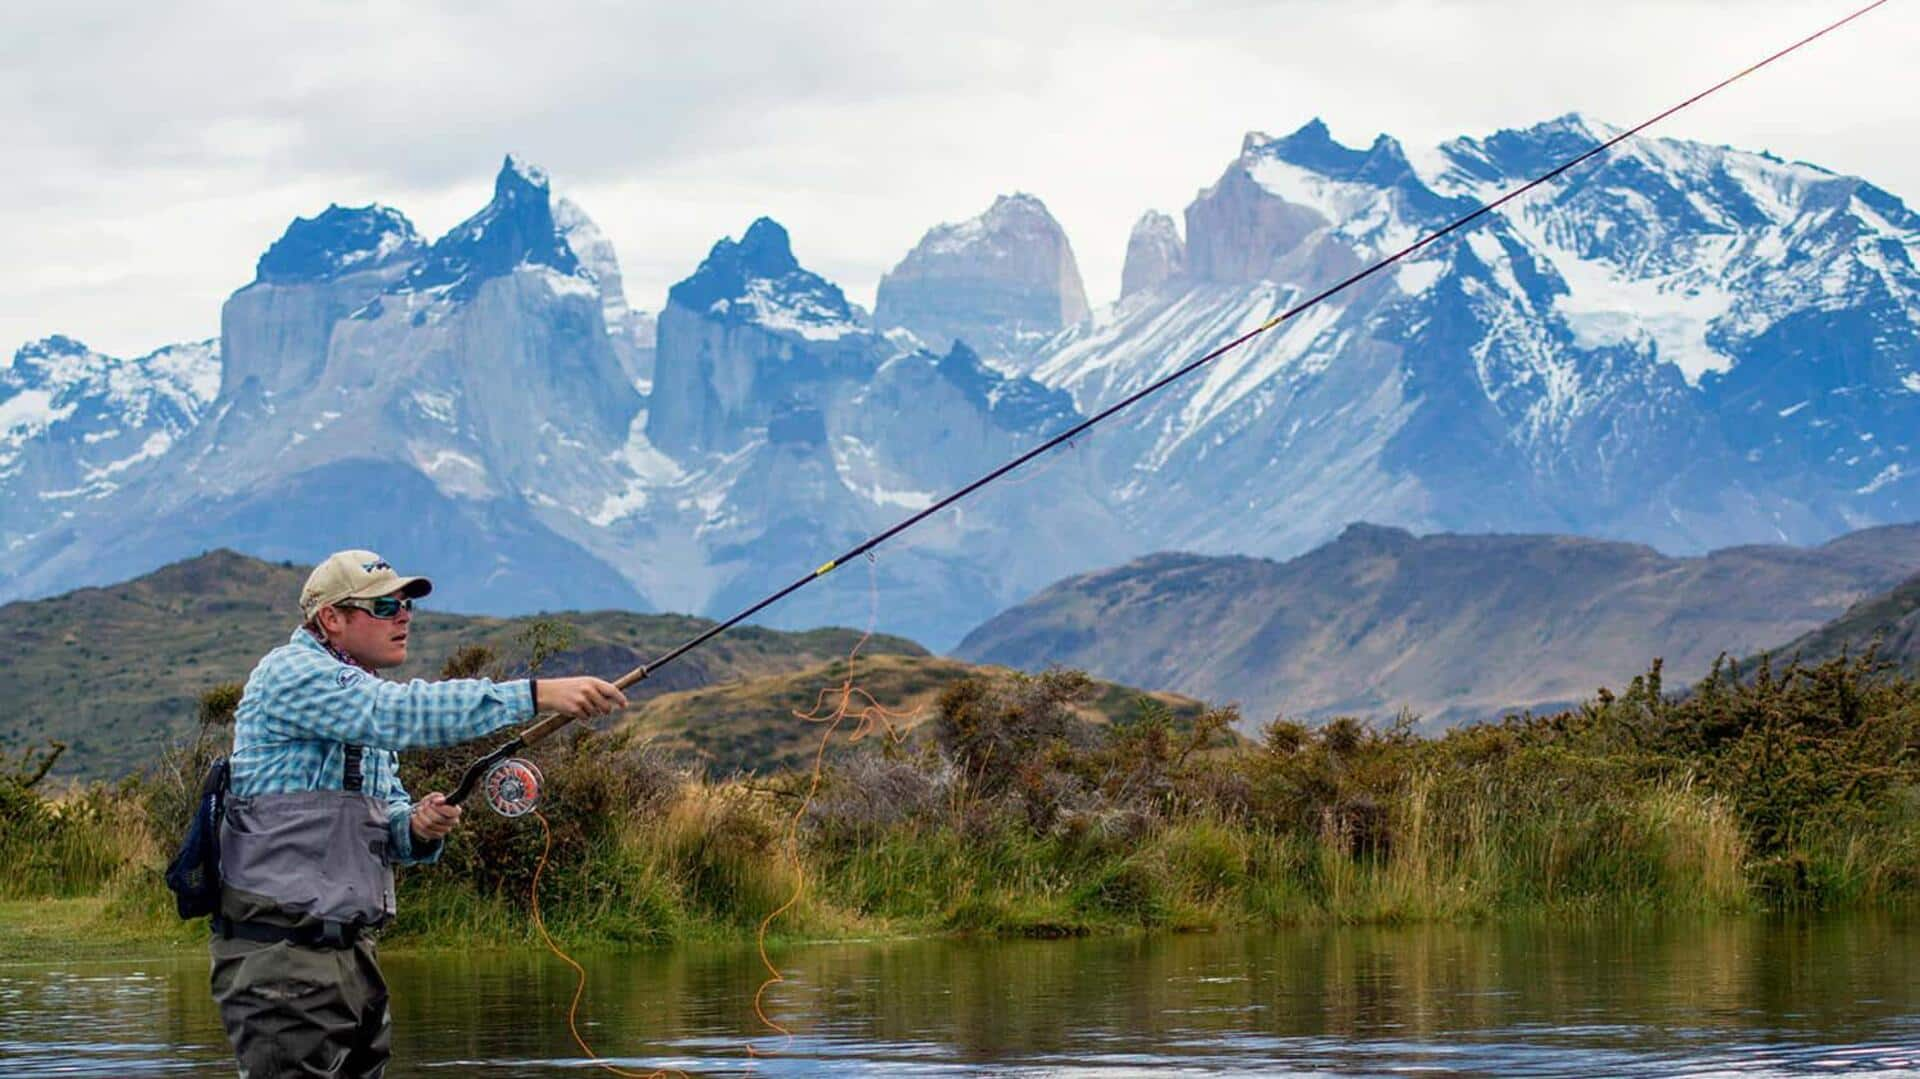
298	987
308	867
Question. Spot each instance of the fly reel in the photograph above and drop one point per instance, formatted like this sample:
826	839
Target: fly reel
512	787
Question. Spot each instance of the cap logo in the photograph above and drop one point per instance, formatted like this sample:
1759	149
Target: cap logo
372	566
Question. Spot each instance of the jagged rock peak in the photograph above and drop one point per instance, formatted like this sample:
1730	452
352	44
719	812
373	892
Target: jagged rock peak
766	250
1003	281
57	344
1577	123
49	363
1314	147
1155	254
337	241
55	362
757	279
516	229
524	171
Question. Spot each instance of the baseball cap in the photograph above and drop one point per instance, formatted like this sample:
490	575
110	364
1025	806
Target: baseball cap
355	575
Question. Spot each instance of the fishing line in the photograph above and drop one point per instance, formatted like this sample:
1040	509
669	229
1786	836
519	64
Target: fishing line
548	724
580	972
871	716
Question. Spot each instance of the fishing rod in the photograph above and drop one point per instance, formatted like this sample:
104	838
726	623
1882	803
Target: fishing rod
513	784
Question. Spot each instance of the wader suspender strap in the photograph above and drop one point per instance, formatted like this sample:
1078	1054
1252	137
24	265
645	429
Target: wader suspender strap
353	779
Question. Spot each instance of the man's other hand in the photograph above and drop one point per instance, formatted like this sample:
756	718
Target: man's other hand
581	697
433	818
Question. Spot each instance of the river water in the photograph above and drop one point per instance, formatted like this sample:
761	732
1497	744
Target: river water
1718	997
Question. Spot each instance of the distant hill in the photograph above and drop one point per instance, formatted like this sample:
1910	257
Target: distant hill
1454	627
752	725
116	671
1888	622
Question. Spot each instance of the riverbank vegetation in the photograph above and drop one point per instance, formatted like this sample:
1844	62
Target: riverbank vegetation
1004	812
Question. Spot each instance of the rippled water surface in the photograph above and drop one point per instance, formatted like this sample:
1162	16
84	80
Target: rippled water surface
1832	996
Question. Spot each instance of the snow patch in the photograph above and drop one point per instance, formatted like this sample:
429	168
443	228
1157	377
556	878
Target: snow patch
883	496
155	445
435	405
195	368
453	472
1603	306
563	284
1887	475
859	466
29	412
650	469
1336	200
1415	278
795	313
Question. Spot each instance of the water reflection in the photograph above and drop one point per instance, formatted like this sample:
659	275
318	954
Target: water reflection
1745	997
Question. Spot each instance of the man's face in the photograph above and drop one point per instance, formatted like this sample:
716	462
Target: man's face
375	642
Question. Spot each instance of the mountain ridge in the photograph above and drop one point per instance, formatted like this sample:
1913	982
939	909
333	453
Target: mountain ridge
1453	627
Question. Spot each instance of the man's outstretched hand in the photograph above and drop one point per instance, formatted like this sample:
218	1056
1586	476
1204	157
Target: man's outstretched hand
581	697
433	818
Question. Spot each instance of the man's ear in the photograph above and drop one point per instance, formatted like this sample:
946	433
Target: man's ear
330	621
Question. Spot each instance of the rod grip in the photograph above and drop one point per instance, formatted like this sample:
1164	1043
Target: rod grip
547	723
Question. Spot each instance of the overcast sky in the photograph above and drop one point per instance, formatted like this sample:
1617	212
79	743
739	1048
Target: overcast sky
157	149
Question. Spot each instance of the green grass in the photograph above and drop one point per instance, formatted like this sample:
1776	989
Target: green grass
1014	817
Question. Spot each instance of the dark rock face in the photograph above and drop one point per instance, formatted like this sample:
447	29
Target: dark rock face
516	229
337	241
1002	282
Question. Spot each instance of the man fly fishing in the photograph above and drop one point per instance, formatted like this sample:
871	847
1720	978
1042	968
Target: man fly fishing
316	817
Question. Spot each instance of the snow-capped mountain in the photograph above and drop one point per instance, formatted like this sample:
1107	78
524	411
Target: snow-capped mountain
1003	282
76	425
439	401
1684	345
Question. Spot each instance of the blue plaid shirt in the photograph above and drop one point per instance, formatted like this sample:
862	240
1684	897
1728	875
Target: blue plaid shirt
303	706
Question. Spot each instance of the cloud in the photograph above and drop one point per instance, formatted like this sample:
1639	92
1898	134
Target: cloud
158	149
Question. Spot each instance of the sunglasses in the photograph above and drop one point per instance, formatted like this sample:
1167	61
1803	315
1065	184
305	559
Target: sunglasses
382	607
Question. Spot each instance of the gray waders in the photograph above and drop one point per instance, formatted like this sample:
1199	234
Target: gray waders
297	980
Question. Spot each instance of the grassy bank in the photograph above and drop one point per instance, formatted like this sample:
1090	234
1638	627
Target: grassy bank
1007	814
